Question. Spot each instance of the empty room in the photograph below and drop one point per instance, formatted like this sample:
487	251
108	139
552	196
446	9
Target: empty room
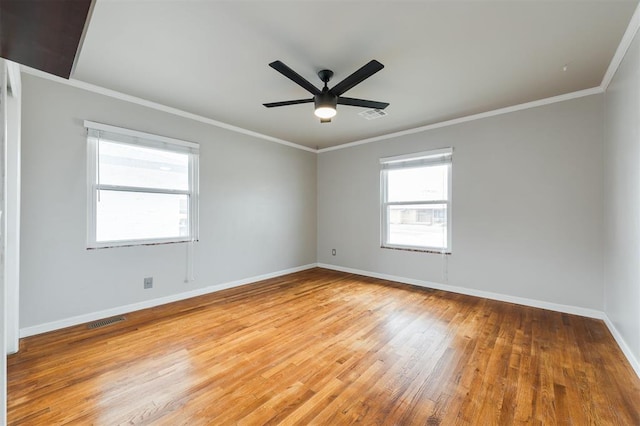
320	212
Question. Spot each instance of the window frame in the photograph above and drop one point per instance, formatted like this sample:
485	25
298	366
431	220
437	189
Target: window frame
431	158
113	134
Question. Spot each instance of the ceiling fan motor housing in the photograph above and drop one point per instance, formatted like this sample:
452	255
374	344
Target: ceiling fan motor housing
325	100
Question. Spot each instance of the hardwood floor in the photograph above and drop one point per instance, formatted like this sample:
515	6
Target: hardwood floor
327	348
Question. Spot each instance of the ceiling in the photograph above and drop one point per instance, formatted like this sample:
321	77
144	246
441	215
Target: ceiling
443	59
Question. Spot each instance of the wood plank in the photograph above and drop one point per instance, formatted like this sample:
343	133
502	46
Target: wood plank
325	347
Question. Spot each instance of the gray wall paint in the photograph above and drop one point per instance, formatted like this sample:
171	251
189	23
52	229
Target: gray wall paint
527	197
257	208
11	215
3	288
622	200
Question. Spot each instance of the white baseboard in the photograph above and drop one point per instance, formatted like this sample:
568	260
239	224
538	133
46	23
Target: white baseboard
120	310
591	313
635	363
575	310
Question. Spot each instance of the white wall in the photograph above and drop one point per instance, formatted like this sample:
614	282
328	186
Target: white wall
12	207
622	203
257	209
527	197
3	305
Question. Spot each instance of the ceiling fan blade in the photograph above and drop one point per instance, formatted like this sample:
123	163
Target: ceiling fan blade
285	103
357	77
295	77
362	103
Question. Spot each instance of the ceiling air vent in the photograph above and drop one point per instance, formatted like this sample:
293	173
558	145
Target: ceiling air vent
372	114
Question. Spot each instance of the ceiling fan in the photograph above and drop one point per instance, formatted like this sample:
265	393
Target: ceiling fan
326	99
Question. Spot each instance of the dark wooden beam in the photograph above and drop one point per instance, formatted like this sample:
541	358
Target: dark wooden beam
43	34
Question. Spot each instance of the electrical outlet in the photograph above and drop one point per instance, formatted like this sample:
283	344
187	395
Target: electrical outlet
333	252
148	282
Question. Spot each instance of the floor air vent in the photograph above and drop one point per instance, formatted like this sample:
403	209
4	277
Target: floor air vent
105	322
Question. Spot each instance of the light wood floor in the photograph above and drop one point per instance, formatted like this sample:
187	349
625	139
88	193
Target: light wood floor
327	348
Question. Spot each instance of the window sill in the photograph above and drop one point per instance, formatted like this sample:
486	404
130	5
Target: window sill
418	250
137	244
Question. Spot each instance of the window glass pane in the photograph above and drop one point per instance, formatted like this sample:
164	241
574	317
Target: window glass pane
129	165
418	225
418	184
138	215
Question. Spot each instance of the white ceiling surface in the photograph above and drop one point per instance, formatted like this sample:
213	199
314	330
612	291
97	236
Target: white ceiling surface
443	59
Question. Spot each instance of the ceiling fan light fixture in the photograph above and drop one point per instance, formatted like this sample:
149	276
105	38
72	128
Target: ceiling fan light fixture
325	112
325	105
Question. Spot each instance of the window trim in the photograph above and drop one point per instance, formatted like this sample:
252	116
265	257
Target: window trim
136	138
442	156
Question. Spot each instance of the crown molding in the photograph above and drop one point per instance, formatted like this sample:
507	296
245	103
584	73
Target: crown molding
493	113
159	107
175	111
621	51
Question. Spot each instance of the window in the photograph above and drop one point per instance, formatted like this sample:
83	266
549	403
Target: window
142	188
416	201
